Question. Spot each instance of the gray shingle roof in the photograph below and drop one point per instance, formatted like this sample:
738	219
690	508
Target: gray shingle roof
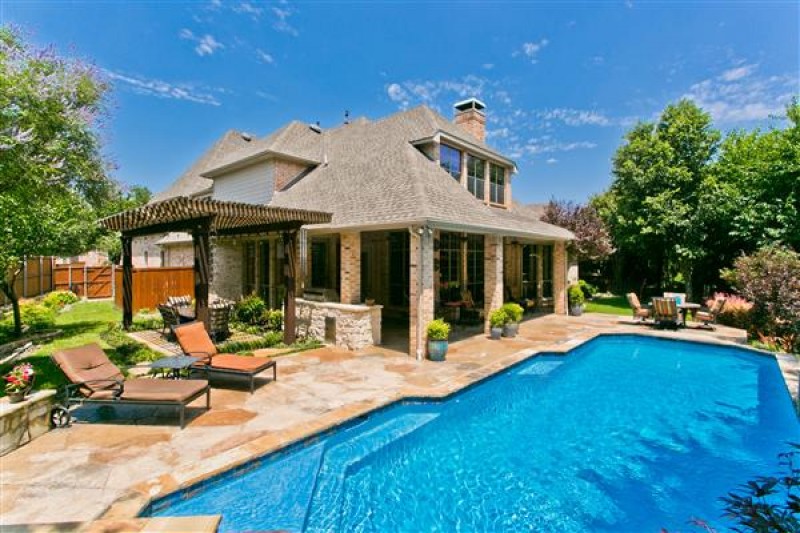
374	176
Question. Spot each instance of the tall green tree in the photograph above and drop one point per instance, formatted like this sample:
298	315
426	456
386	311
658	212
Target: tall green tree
52	173
652	207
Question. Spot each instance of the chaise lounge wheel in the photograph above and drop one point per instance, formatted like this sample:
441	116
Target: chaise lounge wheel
60	417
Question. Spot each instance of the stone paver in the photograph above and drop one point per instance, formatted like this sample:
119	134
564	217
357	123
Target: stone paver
112	466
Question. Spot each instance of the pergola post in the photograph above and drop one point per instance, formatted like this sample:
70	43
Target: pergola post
290	275
201	272
127	281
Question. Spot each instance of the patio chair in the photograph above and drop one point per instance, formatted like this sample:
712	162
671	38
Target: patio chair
471	313
94	379
179	301
195	341
639	312
170	318
665	312
710	317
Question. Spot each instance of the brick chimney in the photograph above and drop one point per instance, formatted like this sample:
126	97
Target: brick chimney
469	115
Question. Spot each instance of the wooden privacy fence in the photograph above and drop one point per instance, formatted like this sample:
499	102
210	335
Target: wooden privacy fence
152	286
85	281
35	279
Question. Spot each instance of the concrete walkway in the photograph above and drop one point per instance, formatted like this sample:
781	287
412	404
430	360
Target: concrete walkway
115	463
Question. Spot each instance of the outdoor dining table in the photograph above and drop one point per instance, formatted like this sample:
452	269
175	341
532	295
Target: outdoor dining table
685	307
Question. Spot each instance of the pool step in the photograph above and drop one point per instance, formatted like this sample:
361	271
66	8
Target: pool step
327	498
541	367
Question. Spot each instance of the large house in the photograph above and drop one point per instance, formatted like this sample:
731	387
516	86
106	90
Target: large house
423	225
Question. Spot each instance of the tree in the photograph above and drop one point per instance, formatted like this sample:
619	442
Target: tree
135	196
592	242
52	175
658	177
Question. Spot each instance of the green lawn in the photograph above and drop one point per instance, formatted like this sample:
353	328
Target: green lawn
610	305
83	323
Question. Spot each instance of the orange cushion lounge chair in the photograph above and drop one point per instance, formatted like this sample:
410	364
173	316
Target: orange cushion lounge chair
95	379
638	311
195	341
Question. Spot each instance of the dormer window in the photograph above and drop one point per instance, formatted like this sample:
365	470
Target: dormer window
476	176
450	160
497	184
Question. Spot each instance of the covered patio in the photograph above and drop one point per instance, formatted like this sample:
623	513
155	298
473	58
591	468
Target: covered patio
204	219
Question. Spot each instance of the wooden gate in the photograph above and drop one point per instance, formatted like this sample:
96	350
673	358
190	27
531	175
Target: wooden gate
152	286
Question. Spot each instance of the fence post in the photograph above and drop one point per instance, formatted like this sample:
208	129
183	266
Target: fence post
25	277
69	276
41	274
113	283
85	282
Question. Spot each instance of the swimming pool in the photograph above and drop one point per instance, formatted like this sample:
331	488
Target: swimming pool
625	433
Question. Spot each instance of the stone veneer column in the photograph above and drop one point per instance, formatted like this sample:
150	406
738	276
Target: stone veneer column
350	267
420	291
492	275
560	278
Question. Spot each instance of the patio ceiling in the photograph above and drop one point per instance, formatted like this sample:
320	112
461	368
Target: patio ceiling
218	217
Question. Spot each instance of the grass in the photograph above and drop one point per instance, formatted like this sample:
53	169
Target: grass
609	305
84	323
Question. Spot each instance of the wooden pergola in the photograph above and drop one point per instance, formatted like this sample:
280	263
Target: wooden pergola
205	218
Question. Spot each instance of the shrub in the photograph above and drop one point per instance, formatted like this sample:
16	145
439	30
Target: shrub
59	299
273	319
770	278
736	311
514	311
498	318
587	288
438	330
575	295
270	339
250	310
38	316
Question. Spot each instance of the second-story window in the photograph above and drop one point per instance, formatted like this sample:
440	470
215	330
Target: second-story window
450	160
497	184
475	176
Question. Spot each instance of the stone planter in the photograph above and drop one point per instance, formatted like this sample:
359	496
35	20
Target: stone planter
495	333
576	310
510	330
437	350
22	422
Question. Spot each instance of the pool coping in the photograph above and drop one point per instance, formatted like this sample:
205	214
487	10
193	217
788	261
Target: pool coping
139	497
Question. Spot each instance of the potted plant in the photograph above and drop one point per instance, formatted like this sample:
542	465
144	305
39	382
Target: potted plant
513	313
438	332
576	300
19	382
497	319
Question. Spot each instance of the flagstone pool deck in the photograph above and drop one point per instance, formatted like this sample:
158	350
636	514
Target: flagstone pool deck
112	465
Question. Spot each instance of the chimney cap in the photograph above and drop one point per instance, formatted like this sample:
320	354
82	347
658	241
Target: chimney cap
470	103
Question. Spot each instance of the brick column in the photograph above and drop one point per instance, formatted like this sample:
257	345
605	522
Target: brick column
492	275
350	267
420	291
560	278
486	182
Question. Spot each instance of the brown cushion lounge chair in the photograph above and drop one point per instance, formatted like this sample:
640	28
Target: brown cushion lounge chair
638	311
710	317
195	341
95	379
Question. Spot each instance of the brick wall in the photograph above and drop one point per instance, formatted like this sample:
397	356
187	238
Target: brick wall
284	171
350	266
473	121
420	294
560	278
226	270
492	275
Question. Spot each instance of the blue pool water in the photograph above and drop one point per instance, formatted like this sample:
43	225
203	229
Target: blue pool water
623	434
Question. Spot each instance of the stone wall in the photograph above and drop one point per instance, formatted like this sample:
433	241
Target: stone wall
350	266
146	252
179	255
420	294
492	275
356	326
22	422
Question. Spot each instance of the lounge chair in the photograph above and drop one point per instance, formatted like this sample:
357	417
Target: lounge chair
639	312
195	341
95	379
665	312
710	317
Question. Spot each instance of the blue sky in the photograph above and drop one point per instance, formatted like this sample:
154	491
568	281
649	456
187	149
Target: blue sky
562	81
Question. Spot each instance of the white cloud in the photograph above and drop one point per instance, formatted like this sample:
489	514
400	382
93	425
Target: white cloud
247	8
487	66
177	91
398	94
531	50
552	161
205	45
445	92
281	23
264	57
546	145
739	95
575	117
